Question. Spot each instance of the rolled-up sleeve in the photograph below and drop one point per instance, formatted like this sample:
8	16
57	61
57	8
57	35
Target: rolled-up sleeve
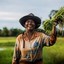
16	50
45	40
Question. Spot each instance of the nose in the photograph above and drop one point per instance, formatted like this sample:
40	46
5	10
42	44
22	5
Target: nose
30	22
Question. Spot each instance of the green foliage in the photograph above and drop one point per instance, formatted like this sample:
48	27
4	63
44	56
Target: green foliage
5	31
0	32
59	17
7	41
6	56
51	55
12	32
55	53
59	13
15	32
8	44
47	25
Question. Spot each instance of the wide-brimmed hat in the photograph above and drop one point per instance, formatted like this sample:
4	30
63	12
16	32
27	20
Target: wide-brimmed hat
36	19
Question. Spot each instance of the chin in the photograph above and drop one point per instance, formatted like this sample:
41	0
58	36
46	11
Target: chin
30	29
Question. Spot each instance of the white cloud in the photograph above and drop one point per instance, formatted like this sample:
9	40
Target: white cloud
10	15
12	10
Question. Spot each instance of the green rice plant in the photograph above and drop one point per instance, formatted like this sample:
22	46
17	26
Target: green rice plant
54	54
51	55
6	56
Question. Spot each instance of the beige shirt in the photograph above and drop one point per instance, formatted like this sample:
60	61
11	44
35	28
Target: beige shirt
30	50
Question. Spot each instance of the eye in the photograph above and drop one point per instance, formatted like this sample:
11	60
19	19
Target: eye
26	23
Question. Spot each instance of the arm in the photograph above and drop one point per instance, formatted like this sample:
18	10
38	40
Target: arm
53	35
50	40
16	55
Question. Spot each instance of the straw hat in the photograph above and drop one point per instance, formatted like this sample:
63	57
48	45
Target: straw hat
36	19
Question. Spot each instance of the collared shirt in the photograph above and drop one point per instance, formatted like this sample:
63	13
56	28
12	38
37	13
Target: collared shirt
30	50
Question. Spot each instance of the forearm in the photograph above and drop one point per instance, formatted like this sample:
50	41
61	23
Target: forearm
53	35
16	57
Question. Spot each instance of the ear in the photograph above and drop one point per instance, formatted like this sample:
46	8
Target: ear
24	25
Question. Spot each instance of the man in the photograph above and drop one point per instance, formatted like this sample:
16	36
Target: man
29	45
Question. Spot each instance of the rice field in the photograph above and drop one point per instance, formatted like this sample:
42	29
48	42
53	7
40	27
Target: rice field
51	55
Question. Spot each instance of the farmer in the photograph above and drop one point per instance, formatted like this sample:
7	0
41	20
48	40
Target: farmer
28	46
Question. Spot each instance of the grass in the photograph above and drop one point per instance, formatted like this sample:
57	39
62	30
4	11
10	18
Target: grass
7	41
6	56
8	44
54	54
51	55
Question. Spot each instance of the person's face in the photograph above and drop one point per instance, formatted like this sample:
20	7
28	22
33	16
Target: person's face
30	24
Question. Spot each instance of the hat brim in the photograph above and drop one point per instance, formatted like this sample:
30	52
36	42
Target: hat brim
36	19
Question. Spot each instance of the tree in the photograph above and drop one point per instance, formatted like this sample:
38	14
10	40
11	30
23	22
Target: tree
5	31
15	32
10	32
0	32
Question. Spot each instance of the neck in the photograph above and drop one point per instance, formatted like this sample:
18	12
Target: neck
29	32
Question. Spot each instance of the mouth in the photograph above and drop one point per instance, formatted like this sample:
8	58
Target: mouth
30	27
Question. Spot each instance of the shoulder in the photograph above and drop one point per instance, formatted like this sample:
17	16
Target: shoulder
19	37
39	34
42	35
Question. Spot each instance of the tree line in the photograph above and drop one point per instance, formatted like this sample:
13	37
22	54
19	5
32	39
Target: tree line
56	16
5	32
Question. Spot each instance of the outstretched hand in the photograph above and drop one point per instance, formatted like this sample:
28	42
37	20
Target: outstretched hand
55	23
58	20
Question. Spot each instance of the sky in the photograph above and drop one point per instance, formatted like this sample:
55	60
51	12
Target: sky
12	10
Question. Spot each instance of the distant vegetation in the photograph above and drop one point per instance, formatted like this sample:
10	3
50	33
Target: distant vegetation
5	32
51	55
56	16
